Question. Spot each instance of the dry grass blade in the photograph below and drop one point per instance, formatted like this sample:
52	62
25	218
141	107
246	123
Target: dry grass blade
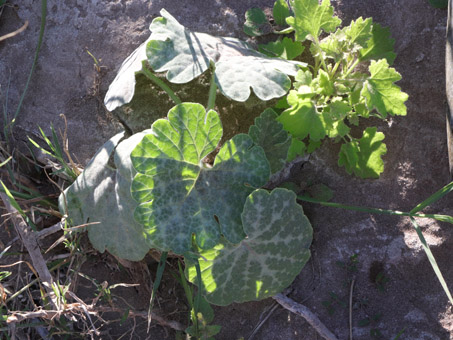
16	32
92	310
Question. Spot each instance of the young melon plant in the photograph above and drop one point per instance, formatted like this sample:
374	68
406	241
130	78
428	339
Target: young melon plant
350	78
174	188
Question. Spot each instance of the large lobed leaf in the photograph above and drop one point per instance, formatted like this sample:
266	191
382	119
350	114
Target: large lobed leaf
102	194
179	195
185	55
267	260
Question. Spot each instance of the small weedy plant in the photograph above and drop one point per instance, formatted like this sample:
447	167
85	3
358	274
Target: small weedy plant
350	78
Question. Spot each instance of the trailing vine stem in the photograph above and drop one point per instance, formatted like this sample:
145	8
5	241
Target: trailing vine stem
443	218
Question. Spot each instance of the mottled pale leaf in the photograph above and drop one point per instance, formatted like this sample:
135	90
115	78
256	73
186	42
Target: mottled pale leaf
179	195
121	90
268	77
256	23
185	55
302	118
379	46
311	18
267	260
102	194
269	134
285	48
380	92
363	156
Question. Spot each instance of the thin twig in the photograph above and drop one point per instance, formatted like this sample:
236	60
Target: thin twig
304	312
30	242
261	322
351	291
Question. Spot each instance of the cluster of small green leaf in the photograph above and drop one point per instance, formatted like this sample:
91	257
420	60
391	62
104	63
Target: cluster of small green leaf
350	78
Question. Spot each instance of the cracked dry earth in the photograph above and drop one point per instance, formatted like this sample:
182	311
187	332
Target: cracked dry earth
394	285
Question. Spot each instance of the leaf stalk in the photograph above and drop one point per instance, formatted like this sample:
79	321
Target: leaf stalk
161	84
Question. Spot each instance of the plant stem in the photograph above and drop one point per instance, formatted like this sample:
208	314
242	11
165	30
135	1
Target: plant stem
212	89
321	58
351	68
443	218
196	306
335	68
161	84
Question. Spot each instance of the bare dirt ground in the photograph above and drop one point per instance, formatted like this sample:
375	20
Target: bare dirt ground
394	288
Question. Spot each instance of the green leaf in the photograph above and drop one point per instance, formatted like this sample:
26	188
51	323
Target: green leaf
320	192
264	263
280	12
205	312
179	195
363	157
311	18
313	145
297	148
323	84
346	41
338	108
439	3
333	46
380	92
379	46
256	23
269	134
303	78
302	118
286	48
102	194
359	31
184	55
